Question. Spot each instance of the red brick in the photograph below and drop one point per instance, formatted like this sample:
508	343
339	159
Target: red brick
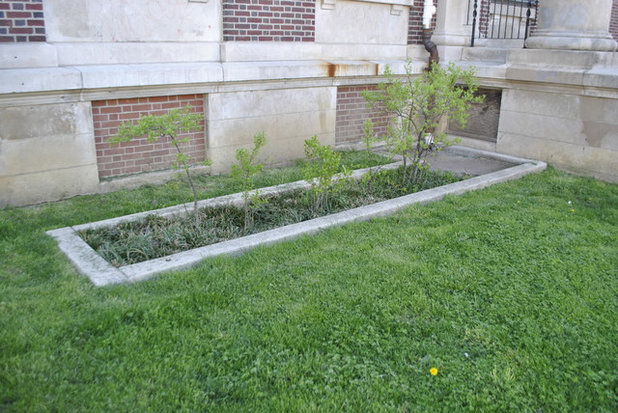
117	165
128	116
263	18
415	23
110	109
18	14
170	105
140	108
352	110
139	155
21	30
127	101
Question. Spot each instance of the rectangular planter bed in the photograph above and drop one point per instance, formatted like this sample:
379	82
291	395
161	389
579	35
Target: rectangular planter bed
101	273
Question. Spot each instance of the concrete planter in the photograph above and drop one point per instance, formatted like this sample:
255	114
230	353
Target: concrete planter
101	273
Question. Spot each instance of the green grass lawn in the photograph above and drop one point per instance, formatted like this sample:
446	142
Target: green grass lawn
510	292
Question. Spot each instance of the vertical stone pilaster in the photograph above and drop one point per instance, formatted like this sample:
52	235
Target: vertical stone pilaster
451	28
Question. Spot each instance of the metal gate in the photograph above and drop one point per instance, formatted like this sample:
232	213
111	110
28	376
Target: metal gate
502	19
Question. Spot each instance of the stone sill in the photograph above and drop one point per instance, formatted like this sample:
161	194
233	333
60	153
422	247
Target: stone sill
567	67
69	54
583	69
163	74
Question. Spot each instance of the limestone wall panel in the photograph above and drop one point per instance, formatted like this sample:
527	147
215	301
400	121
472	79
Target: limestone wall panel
239	132
541	103
361	22
27	54
40	154
50	185
46	152
274	153
582	120
116	53
581	159
541	126
600	122
269	102
573	132
135	20
23	122
287	117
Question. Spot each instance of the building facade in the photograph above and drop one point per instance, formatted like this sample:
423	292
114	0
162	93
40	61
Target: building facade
72	70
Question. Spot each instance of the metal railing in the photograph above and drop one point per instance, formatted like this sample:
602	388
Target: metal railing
501	19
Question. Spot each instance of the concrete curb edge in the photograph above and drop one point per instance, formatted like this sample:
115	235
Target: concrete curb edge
101	273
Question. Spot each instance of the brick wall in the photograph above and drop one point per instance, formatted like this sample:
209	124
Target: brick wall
613	24
415	22
352	110
139	155
269	20
21	21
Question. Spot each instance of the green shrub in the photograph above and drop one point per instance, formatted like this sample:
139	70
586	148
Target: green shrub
244	172
324	164
416	105
167	126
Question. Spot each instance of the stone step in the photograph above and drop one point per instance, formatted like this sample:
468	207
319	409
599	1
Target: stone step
484	54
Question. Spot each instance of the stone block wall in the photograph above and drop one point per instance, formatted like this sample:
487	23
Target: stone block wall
269	20
570	131
352	110
286	116
139	155
356	31
21	21
46	160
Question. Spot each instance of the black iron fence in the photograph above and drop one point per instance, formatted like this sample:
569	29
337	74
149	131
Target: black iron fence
502	19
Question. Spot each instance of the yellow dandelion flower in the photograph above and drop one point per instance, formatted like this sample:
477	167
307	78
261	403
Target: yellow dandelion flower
433	371
572	210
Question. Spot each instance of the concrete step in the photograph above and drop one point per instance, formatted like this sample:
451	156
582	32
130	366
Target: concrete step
484	54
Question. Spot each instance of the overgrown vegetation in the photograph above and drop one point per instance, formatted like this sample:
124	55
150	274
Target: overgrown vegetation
167	126
369	138
245	171
154	237
324	163
509	292
416	104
